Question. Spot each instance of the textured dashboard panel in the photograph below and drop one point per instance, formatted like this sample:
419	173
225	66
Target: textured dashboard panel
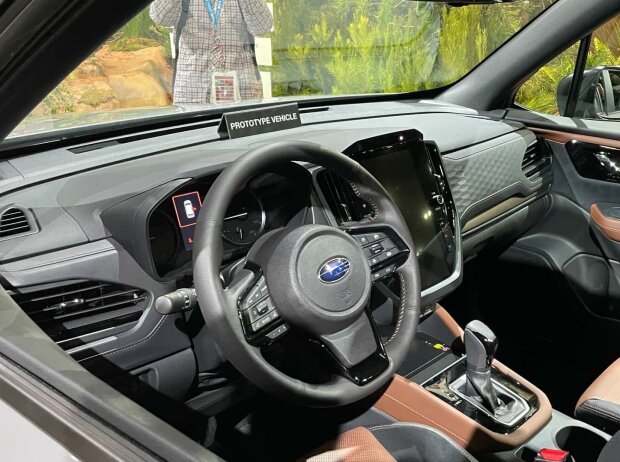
485	175
68	192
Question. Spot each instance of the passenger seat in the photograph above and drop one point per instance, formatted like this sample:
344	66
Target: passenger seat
600	403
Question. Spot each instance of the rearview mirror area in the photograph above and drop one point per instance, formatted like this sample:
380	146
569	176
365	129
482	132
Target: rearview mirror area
598	96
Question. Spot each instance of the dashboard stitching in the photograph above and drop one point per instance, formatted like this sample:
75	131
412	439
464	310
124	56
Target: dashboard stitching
58	260
127	347
401	312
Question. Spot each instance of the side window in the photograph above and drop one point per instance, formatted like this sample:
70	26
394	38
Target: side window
540	92
551	89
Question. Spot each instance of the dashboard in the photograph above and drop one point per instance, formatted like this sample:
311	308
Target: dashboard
110	224
410	170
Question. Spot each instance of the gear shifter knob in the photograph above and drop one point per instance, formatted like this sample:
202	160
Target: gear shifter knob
481	346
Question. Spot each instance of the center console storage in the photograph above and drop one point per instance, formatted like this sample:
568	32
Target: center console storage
432	389
582	441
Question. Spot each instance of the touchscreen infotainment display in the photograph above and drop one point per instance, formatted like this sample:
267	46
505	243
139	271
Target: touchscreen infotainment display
406	172
403	174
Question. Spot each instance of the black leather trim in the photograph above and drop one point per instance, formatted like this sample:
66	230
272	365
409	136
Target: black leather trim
611	450
601	414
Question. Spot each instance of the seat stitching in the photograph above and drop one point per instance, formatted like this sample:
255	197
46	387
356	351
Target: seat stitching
601	412
427	418
606	412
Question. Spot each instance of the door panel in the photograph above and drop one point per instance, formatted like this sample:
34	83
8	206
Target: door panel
581	234
565	129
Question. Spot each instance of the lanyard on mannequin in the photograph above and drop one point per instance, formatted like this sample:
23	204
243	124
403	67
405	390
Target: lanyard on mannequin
214	13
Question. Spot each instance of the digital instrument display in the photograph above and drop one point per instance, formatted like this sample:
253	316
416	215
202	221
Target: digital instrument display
245	219
243	224
187	207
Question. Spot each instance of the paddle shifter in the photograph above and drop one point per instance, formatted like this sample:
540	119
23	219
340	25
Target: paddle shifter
480	346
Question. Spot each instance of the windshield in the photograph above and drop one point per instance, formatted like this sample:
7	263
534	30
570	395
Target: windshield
188	55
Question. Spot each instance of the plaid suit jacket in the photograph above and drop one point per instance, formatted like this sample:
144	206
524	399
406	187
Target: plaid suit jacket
239	21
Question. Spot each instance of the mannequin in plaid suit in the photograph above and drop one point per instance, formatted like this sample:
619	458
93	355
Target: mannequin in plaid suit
232	37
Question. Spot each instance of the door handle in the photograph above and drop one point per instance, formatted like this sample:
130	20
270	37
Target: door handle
606	161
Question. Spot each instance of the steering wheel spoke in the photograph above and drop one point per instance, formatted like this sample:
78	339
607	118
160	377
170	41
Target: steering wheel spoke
356	351
383	248
257	311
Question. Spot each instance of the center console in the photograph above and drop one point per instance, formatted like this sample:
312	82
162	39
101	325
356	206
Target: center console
450	380
435	387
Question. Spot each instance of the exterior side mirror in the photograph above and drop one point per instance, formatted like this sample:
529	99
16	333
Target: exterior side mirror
598	96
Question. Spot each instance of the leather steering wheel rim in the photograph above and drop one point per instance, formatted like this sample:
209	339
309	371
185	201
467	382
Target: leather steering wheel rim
216	302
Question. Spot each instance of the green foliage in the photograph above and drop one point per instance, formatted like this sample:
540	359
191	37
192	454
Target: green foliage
142	32
139	26
59	101
133	44
96	97
370	46
601	54
539	92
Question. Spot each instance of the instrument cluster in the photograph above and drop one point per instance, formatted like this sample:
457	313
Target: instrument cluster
270	201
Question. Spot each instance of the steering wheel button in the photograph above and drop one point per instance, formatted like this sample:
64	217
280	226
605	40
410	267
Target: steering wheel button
262	307
388	244
253	296
373	261
376	249
361	238
277	332
374	237
258	324
388	270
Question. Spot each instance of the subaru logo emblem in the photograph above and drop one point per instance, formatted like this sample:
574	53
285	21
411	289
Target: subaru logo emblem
334	270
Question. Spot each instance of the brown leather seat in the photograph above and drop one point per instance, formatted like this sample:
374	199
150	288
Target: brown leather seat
600	403
397	442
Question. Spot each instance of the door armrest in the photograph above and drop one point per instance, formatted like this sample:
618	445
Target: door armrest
609	226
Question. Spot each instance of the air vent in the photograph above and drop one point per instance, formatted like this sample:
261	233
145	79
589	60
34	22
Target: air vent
537	158
14	222
343	202
68	312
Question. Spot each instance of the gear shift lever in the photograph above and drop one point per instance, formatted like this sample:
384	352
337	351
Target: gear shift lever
480	346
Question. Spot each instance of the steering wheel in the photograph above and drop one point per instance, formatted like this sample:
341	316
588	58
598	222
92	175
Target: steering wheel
312	281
